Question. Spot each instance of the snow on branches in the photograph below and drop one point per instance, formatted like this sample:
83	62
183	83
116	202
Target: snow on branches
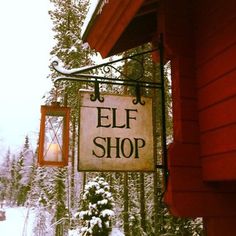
98	211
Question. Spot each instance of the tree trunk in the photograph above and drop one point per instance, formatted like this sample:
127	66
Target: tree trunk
142	202
126	205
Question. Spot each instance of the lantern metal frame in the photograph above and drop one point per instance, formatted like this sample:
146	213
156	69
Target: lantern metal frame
54	110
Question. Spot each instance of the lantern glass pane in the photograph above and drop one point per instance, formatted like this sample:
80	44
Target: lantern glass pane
53	140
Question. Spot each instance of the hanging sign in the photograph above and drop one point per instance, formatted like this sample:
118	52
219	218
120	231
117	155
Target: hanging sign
115	135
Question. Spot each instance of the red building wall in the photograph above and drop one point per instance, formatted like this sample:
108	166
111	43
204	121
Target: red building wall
216	84
200	42
215	38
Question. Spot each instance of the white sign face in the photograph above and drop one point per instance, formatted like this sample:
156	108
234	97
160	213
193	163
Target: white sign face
115	135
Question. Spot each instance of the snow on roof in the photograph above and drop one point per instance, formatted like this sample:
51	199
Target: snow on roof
95	8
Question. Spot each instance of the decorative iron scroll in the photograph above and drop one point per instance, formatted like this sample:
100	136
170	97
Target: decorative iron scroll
118	76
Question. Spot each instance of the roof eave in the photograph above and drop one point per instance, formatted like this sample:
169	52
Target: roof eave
107	22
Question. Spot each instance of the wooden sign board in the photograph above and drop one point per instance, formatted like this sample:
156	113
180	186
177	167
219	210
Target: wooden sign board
115	135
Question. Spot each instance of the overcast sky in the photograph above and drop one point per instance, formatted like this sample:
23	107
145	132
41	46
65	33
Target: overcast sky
25	44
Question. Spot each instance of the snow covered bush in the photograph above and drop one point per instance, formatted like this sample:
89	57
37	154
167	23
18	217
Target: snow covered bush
98	208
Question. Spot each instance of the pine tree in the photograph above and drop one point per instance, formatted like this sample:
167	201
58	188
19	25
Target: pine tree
19	165
42	218
13	182
26	168
67	17
98	208
61	214
5	178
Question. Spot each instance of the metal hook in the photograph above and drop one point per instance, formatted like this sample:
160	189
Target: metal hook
138	95
96	95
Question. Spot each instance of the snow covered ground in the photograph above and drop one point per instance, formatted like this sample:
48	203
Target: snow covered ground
19	222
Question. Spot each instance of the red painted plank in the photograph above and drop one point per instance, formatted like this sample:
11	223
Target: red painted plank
195	183
208	16
186	68
204	204
189	109
218	115
218	141
179	44
209	47
180	154
220	167
217	68
183	79
187	179
190	132
184	100
217	91
186	131
177	24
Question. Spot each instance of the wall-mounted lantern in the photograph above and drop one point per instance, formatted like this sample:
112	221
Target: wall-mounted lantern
54	136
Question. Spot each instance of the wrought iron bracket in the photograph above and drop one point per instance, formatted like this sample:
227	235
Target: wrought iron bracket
111	74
